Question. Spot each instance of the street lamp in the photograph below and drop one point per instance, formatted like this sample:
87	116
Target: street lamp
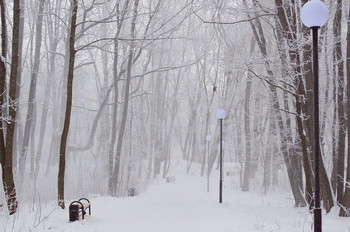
208	139
220	114
314	14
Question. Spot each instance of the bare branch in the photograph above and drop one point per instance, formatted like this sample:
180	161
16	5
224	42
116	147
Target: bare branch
164	69
83	64
124	39
289	112
90	142
274	85
235	22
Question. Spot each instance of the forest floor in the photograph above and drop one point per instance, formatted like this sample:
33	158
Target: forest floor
182	206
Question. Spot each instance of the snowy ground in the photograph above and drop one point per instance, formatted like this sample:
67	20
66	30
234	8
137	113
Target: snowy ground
183	206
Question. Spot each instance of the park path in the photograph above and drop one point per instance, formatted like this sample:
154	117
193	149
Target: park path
186	206
166	207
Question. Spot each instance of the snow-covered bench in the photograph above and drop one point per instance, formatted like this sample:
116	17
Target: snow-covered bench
77	207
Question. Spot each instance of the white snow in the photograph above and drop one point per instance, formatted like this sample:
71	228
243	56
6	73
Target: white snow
182	206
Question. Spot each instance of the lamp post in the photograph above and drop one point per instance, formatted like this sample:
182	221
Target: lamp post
208	139
314	14
220	114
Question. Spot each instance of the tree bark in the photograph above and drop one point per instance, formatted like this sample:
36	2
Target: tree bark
339	76
18	134
2	80
64	136
346	198
8	180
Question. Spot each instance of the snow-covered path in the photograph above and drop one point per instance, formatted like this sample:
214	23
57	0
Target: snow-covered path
185	206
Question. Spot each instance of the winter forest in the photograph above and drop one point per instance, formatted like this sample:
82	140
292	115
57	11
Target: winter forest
98	96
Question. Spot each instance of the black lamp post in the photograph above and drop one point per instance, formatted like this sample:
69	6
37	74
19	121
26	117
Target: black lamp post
314	14
220	114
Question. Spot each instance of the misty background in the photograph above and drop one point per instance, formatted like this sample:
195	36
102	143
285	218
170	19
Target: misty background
142	81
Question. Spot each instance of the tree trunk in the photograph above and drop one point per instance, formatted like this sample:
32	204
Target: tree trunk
270	146
339	76
111	178
126	99
287	29
29	123
248	137
262	44
18	134
64	136
8	180
346	198
2	80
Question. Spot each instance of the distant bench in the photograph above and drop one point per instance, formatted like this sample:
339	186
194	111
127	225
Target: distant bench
170	179
77	207
132	192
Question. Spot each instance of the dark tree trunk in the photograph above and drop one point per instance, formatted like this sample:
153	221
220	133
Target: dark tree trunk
2	79
8	180
64	136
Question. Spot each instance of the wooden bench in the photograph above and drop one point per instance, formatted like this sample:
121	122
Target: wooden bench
77	207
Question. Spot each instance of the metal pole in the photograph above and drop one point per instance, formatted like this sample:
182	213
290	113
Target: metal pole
208	170
220	186
317	150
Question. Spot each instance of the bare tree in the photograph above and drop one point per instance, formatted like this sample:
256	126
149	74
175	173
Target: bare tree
126	95
247	129
338	70
64	136
7	160
30	119
262	44
346	197
120	20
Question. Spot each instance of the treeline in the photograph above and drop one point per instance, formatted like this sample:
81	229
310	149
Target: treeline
99	96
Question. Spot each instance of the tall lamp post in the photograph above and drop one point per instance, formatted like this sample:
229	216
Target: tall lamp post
314	14
208	139
220	114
